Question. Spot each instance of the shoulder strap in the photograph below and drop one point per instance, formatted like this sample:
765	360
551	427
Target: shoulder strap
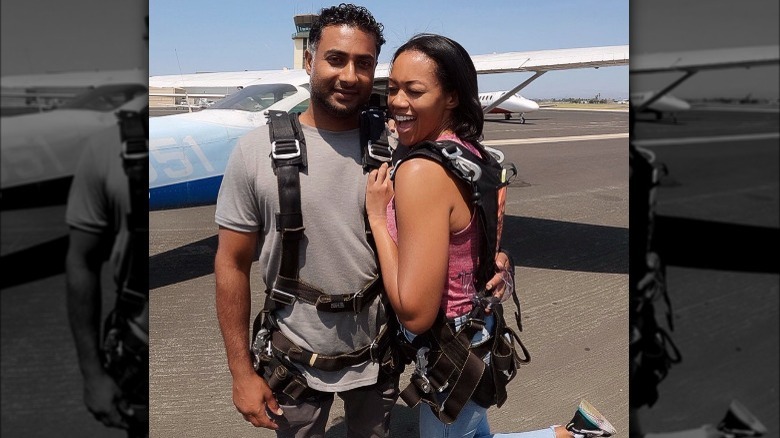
134	272
375	148
483	175
288	157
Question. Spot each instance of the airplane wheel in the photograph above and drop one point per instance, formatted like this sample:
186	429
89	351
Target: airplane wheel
507	116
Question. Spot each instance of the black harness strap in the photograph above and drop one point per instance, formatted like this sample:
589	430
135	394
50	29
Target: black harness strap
273	352
375	147
288	153
125	343
455	366
133	294
283	345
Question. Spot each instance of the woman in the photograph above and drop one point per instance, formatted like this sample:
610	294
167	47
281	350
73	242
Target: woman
424	224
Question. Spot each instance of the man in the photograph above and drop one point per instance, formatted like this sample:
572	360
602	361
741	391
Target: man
336	256
98	210
107	213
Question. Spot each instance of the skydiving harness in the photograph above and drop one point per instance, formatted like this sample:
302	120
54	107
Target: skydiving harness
445	359
125	347
652	351
272	351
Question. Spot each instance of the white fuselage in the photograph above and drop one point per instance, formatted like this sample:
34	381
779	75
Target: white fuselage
665	104
514	104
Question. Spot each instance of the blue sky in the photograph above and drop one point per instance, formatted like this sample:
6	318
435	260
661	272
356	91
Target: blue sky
41	35
200	35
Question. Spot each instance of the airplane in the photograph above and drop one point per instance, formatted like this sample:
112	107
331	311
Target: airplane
188	152
688	63
665	104
46	91
40	151
514	104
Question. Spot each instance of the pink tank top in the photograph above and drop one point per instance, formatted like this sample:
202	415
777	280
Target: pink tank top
463	257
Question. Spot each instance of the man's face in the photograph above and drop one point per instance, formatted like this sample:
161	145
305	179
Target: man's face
342	70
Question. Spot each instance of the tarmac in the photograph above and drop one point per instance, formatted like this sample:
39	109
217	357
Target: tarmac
567	226
718	227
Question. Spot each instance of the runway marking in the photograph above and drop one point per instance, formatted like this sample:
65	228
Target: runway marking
554	139
711	139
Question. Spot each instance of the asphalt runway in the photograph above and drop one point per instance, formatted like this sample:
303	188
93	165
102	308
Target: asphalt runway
42	392
566	225
719	229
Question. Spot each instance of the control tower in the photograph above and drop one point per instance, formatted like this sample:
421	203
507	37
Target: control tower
300	38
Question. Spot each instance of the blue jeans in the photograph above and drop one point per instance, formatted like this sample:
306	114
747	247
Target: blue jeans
472	420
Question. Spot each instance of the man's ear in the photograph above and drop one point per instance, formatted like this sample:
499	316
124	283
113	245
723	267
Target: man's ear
308	59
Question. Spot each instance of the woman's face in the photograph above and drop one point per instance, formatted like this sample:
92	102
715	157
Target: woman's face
418	104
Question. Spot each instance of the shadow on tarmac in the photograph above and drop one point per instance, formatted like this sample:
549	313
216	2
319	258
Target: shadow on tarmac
552	244
186	262
35	263
538	243
703	244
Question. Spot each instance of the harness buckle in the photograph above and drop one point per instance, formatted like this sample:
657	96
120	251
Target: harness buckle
282	296
261	342
379	157
135	149
326	303
285	155
355	299
420	373
469	170
374	347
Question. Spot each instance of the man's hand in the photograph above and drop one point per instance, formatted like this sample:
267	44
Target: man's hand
103	399
254	399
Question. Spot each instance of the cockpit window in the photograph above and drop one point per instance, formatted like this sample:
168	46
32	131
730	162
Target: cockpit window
255	97
106	97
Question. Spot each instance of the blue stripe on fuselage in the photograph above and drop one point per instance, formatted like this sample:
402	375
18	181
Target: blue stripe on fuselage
185	194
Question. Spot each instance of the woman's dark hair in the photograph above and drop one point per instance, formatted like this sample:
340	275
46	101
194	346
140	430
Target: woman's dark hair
455	72
350	15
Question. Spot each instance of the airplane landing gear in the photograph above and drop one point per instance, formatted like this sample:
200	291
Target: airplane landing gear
507	116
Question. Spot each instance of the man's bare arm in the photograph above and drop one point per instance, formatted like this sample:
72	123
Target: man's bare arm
232	266
83	263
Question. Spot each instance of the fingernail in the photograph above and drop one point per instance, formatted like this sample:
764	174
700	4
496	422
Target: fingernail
279	411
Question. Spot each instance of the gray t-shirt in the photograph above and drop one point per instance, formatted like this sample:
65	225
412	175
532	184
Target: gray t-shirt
99	197
335	255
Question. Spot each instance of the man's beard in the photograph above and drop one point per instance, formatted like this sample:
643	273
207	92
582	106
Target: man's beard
321	98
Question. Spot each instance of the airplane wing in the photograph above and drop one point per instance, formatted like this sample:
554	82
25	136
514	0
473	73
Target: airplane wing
75	79
538	62
692	61
710	59
230	79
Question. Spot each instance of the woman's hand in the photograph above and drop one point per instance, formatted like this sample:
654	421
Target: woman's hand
502	283
379	192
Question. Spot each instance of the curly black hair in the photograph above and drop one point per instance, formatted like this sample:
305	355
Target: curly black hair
350	15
